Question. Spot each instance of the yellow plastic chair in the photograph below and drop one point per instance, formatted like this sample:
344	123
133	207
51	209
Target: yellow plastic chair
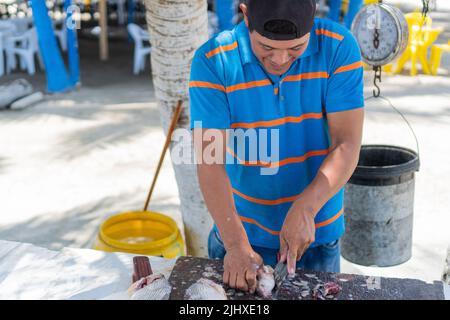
436	55
421	38
344	4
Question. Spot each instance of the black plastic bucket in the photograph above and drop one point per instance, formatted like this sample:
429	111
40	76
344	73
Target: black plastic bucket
380	165
379	206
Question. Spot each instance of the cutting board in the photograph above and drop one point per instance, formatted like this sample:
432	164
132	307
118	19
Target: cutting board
188	270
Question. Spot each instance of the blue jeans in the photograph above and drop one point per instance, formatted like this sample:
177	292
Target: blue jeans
324	257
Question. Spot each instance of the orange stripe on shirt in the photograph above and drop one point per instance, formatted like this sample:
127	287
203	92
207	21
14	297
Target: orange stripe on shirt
258	83
331	220
282	162
276	122
349	67
248	85
329	33
253	221
276	233
306	76
225	48
301	158
204	84
248	163
266	202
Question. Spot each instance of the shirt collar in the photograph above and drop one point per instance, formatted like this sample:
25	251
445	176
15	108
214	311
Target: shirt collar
244	45
245	48
313	46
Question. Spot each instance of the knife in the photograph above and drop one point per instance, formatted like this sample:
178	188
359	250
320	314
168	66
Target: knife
280	273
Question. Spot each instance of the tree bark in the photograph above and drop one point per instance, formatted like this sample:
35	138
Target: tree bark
177	28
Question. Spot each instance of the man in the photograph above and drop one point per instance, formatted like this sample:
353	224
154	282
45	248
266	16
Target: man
281	70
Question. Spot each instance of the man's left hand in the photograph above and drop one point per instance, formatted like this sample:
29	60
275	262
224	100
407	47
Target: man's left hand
297	234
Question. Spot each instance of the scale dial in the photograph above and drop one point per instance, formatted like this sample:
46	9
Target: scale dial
392	30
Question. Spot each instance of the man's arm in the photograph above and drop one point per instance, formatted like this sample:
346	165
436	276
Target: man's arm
337	168
345	130
216	189
241	262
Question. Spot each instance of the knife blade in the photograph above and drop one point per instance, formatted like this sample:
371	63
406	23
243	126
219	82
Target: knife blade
280	273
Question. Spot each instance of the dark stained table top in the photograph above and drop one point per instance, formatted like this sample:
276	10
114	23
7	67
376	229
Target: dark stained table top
307	285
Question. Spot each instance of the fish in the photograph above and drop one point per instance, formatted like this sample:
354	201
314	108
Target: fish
266	282
205	289
328	290
152	287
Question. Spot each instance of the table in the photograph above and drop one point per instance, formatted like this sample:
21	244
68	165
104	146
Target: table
188	270
31	272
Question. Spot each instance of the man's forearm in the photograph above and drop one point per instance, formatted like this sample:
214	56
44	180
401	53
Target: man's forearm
217	192
332	175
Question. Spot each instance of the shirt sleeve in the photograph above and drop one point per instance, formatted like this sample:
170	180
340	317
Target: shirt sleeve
345	84
209	106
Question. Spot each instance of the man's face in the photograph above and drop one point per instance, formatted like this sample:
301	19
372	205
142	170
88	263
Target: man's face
276	56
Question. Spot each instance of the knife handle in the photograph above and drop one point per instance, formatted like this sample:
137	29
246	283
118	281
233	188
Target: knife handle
142	268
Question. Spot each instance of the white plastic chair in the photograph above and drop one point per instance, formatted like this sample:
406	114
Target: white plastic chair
120	10
2	56
26	47
140	36
7	29
22	24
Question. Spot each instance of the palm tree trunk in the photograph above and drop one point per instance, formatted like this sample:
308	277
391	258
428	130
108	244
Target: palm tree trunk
177	28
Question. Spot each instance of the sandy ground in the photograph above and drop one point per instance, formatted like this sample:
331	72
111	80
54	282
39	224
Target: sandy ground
74	159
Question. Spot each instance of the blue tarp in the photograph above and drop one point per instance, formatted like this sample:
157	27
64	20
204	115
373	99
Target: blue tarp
58	78
225	10
335	10
131	10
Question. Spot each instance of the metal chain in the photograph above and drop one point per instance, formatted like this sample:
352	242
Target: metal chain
425	8
376	69
376	80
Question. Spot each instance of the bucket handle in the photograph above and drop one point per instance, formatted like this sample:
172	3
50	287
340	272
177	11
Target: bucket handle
403	117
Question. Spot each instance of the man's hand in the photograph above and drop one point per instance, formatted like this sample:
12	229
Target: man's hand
296	236
241	265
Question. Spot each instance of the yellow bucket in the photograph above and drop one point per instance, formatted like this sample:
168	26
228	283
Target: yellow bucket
141	232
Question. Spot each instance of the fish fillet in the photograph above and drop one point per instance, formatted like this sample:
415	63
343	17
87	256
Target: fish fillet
205	289
152	287
266	282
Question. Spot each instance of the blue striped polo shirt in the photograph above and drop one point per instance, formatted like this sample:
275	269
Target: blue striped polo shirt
229	89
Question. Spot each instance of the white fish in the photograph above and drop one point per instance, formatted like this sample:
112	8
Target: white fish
152	287
266	282
205	289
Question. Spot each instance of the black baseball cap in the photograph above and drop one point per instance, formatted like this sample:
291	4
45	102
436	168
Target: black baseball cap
297	15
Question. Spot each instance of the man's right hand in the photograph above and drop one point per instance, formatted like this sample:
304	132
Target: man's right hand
241	265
